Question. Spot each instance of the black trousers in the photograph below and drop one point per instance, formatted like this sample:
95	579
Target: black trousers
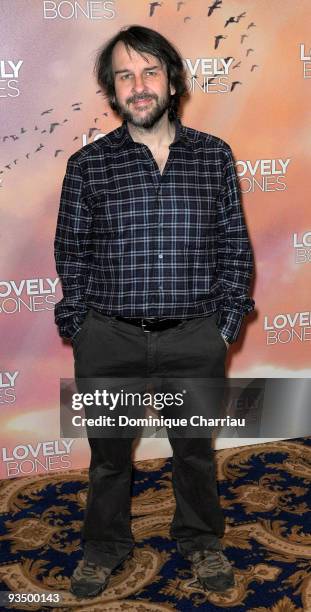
108	347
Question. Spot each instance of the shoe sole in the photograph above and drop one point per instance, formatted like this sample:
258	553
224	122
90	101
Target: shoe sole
79	593
216	589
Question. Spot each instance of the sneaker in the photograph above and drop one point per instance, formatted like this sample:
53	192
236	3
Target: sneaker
89	579
212	569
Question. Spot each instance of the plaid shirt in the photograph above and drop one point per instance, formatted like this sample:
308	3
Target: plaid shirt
132	242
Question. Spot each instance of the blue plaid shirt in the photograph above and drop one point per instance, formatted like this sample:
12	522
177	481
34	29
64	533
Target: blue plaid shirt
132	242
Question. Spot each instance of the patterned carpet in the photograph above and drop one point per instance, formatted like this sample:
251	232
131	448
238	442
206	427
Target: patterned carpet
264	492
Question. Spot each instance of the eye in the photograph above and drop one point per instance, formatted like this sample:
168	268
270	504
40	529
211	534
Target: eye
151	73
125	76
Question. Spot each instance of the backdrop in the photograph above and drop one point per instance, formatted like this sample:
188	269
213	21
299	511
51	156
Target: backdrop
249	71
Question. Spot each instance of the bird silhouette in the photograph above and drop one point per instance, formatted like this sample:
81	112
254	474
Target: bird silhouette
254	66
58	151
216	5
49	110
218	39
241	15
92	130
39	147
251	25
53	126
179	4
234	84
153	6
249	51
237	65
186	19
243	36
230	20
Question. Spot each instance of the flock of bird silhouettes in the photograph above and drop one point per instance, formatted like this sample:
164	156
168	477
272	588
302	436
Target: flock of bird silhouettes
76	106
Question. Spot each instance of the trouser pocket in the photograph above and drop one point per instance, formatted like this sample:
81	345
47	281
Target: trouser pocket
83	331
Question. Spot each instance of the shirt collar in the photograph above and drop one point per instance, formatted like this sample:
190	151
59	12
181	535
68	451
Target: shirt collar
180	135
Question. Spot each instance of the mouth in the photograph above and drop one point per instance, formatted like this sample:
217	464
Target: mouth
142	102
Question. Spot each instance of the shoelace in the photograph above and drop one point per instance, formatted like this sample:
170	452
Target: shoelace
199	558
89	568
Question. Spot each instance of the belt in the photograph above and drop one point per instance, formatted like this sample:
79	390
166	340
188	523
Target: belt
152	323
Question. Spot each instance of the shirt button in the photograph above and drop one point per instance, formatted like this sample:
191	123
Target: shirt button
160	256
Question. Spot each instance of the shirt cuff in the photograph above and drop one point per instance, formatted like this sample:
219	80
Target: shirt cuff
69	329
229	325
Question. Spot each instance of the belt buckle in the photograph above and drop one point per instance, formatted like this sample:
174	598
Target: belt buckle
143	325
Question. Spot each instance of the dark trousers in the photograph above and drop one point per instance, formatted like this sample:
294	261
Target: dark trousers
109	347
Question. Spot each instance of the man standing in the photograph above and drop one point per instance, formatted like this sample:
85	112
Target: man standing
155	263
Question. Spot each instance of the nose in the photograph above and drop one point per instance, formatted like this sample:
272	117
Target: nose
139	84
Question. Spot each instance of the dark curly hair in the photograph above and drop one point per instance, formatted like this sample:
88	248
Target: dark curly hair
143	40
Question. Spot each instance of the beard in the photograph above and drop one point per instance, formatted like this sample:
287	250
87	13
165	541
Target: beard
146	121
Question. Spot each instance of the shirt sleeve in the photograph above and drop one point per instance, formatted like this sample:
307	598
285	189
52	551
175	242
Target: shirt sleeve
72	249
235	257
